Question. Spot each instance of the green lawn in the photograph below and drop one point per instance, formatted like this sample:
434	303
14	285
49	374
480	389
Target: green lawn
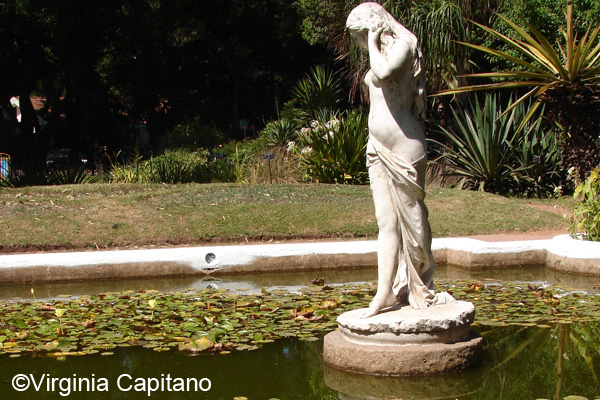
78	217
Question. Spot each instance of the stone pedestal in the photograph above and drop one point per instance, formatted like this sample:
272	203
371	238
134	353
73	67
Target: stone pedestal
405	341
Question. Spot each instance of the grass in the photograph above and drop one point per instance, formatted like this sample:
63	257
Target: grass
100	216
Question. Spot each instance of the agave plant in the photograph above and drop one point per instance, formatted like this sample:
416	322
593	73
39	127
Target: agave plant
540	152
485	148
566	79
481	146
280	132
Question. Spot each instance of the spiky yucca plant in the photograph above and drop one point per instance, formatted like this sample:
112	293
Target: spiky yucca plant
483	144
319	89
566	80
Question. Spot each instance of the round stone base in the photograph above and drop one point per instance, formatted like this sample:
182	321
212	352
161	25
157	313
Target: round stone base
401	360
440	323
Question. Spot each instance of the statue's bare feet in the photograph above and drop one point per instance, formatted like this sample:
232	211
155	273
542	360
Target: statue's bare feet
418	305
380	303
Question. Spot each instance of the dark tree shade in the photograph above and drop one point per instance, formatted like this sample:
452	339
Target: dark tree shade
105	66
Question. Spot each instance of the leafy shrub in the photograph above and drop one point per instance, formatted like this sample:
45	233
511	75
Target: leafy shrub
586	215
215	170
135	171
196	134
173	166
540	153
176	166
247	165
281	167
565	78
335	151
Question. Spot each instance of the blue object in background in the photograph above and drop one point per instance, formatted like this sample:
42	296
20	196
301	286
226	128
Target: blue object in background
4	165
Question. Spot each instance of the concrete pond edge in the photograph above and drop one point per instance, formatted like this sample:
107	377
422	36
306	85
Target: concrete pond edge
562	253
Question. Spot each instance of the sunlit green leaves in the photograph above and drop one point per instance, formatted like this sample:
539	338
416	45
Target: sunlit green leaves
586	214
485	149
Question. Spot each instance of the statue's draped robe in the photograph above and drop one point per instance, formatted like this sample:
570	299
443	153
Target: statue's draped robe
406	181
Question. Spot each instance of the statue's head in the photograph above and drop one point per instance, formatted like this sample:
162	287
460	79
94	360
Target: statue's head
367	17
371	16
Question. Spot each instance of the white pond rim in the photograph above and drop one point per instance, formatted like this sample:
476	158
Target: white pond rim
562	253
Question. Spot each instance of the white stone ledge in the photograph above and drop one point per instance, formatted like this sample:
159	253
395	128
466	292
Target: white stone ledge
561	253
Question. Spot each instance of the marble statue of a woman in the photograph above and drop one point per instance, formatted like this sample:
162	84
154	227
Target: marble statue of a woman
396	158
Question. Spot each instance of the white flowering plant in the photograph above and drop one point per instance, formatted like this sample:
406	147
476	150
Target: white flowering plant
334	151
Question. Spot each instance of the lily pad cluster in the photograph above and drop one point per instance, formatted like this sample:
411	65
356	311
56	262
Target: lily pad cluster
221	321
514	303
193	321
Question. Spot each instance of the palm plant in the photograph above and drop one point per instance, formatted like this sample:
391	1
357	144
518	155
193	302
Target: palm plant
439	25
566	80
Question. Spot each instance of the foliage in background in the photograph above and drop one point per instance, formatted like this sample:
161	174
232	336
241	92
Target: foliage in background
283	167
104	67
69	176
566	80
177	166
196	133
133	171
540	151
317	98
486	150
320	91
334	151
586	215
269	164
437	24
546	15
281	132
173	166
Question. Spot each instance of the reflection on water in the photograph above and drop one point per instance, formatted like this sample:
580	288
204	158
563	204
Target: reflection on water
520	362
237	282
529	274
361	387
287	369
254	282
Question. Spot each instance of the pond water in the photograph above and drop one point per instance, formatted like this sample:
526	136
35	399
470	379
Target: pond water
254	282
524	362
519	363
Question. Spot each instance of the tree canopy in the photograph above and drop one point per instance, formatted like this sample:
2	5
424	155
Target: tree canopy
103	67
